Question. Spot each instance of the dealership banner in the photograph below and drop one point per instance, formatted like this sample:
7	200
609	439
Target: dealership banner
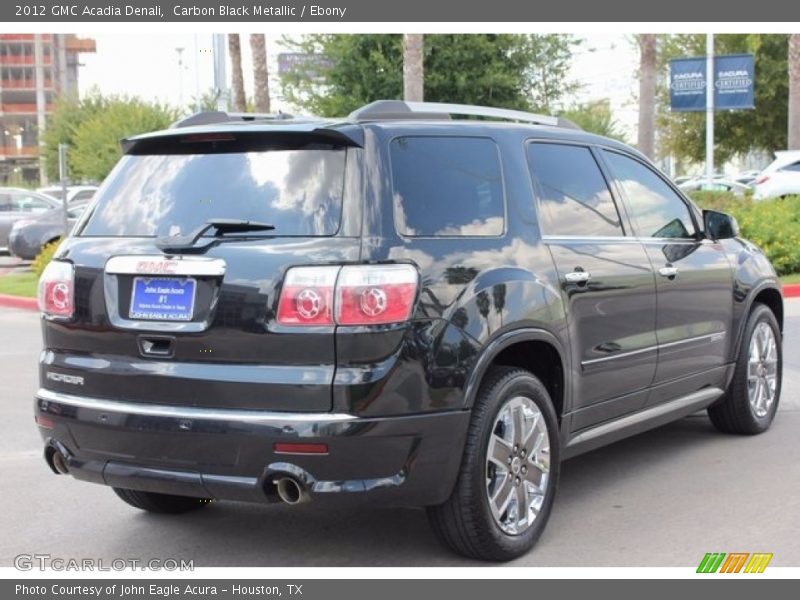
734	81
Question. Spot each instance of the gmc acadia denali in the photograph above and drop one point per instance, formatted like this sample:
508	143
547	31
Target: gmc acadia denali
398	307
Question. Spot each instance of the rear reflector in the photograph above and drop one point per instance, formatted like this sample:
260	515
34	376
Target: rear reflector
44	422
57	290
298	448
762	179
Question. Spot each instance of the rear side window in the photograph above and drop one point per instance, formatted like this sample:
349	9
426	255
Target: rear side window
795	167
447	186
574	198
298	191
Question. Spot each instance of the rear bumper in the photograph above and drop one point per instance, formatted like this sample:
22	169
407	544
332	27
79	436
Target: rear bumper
229	454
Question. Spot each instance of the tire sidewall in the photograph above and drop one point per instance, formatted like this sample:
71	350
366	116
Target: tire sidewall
521	384
760	314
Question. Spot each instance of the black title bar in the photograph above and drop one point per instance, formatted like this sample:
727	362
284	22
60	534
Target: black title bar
443	11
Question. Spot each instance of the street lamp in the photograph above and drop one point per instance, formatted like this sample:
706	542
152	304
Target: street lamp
180	50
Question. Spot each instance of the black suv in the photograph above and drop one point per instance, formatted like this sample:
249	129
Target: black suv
397	307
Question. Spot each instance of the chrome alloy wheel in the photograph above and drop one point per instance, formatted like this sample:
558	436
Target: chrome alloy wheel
762	370
517	465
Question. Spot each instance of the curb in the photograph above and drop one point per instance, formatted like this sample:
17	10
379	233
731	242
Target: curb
22	302
791	290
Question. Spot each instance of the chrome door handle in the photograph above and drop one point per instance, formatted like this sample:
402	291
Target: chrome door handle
668	271
577	277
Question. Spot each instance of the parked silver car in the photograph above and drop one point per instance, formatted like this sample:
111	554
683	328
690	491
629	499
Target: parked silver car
27	236
16	204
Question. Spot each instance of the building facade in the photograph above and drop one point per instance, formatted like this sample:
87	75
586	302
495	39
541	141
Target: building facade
34	70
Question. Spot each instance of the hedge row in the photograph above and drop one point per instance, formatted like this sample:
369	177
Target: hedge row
774	225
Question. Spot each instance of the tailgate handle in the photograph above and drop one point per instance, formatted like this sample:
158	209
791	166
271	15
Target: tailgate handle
160	346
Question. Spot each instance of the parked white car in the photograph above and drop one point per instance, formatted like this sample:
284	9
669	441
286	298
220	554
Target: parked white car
781	178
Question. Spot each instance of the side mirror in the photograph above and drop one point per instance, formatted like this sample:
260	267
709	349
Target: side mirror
719	225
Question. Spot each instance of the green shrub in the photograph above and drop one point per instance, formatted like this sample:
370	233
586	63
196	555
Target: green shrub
44	257
773	225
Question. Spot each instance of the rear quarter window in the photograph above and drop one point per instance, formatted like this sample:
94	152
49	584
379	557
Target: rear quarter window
447	186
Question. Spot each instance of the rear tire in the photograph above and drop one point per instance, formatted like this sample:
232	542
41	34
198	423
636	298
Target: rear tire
482	519
751	401
160	503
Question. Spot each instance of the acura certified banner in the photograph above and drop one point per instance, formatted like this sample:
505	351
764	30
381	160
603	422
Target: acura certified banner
734	81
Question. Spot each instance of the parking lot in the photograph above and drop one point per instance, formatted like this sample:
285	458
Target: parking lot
663	498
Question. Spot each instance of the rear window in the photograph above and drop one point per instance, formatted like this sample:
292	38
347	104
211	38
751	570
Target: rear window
447	186
298	191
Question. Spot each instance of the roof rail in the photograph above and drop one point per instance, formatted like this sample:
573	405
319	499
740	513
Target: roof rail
218	116
398	109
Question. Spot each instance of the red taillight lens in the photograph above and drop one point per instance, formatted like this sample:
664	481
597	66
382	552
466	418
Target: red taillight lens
762	179
375	294
352	295
57	290
307	296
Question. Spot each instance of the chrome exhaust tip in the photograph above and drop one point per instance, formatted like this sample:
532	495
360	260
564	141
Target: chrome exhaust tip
56	461
290	491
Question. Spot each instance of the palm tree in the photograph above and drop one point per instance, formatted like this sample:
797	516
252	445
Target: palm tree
647	93
235	52
260	75
794	91
413	70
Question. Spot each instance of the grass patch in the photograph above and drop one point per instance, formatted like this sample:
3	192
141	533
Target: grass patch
19	284
793	278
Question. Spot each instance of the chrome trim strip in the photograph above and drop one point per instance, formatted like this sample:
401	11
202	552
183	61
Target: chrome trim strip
711	337
180	412
592	361
698	398
617	239
177	265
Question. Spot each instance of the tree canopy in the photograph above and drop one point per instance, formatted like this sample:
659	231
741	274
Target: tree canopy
526	72
93	128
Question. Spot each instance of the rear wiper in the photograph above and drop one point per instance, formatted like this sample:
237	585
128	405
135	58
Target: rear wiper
186	243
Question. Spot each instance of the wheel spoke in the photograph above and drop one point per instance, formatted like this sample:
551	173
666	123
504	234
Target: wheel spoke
537	474
500	499
522	501
499	452
518	417
752	369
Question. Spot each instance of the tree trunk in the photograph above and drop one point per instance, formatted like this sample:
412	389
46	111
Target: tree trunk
237	78
413	70
647	94
794	92
260	76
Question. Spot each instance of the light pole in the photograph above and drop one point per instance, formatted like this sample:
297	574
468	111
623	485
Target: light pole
180	50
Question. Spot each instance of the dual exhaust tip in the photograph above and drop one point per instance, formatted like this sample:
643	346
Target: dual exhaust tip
56	459
290	490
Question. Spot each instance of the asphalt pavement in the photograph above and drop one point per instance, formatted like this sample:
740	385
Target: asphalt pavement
662	498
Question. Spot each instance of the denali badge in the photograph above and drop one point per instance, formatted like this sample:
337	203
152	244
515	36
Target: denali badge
71	379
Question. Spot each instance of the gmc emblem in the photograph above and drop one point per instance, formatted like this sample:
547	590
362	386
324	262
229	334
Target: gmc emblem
159	267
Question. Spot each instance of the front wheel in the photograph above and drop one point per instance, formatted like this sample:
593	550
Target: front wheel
751	401
508	476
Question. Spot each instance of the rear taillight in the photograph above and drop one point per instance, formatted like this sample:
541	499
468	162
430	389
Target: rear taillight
375	294
57	290
762	179
352	295
307	296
